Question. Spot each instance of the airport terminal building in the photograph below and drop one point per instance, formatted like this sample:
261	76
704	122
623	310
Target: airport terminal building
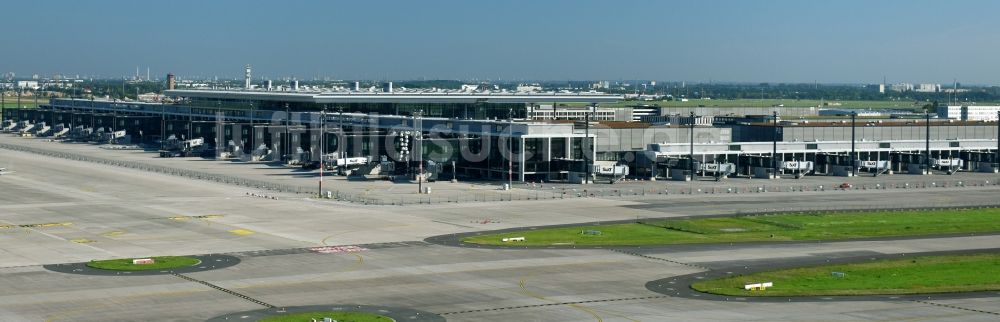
502	135
469	134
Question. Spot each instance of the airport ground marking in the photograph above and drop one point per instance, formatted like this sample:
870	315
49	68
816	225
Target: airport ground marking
225	290
79	310
241	232
956	307
522	284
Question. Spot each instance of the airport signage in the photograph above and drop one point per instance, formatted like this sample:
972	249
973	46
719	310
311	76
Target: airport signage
337	249
352	161
611	170
874	164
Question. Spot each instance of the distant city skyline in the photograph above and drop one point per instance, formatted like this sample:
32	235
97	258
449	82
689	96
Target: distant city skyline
695	41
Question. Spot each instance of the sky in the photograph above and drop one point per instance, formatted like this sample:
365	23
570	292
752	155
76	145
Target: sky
844	41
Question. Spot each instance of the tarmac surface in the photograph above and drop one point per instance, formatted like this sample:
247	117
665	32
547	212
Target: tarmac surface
298	251
397	314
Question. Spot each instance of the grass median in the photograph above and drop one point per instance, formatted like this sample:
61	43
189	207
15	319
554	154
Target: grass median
159	263
918	275
336	316
758	228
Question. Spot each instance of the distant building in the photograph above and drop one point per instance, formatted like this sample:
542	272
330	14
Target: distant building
171	82
530	88
28	84
847	112
928	88
600	85
469	88
901	87
150	97
969	113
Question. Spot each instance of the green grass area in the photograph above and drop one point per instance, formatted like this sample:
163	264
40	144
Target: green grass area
336	316
778	227
919	275
160	262
774	102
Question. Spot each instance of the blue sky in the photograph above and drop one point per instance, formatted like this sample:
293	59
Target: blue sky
774	41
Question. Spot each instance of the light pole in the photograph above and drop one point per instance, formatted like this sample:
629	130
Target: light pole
288	138
585	143
927	140
854	156
996	158
341	147
691	147
322	159
420	152
163	124
252	134
774	144
510	149
18	102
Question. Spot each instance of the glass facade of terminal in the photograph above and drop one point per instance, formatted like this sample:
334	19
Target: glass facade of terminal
447	110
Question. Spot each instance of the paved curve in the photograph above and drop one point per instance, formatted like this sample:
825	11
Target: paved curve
208	262
680	286
397	314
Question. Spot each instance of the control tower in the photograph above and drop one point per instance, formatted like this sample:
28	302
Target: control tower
246	81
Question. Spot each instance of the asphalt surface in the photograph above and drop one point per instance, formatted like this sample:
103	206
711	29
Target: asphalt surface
397	314
295	251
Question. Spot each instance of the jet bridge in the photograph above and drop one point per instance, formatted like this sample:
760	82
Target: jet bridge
57	131
717	170
7	125
174	147
42	130
116	137
763	166
611	170
876	167
982	161
948	165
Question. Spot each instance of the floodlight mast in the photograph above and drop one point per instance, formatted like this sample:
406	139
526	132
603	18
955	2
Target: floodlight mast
420	152
854	155
927	141
322	159
691	148
774	145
